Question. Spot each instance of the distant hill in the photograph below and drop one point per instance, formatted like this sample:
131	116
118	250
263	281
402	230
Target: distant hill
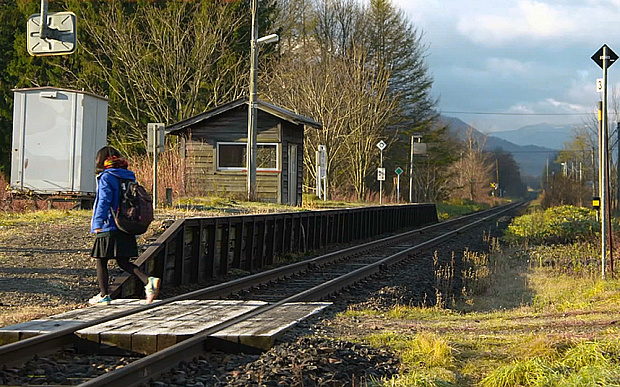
530	158
544	135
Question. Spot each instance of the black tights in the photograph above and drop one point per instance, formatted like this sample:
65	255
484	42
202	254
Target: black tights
125	264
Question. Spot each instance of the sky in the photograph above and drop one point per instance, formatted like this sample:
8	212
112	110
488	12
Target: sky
529	60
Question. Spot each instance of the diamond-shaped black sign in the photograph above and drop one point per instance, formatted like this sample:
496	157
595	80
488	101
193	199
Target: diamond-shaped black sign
598	57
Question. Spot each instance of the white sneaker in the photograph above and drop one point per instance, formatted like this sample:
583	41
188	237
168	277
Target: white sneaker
152	289
100	300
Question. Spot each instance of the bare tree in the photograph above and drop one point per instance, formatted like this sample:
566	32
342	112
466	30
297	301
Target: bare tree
350	101
164	62
471	173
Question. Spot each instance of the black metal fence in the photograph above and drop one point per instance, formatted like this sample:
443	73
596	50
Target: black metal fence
192	250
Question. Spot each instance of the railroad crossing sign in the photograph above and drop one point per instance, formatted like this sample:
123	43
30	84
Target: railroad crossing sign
598	56
381	174
398	171
381	145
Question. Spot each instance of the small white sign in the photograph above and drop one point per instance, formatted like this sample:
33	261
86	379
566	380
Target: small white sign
381	174
155	132
599	85
323	161
381	145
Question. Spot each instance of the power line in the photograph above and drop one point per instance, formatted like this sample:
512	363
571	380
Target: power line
520	114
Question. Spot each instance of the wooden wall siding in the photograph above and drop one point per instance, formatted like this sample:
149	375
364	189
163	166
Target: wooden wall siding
200	145
293	133
233	126
194	250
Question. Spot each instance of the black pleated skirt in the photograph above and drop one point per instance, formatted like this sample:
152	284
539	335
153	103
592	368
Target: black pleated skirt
114	244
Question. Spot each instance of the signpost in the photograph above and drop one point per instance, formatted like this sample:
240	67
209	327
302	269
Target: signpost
321	172
604	57
381	171
398	171
155	139
419	148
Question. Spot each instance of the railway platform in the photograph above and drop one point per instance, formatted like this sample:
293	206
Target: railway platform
160	327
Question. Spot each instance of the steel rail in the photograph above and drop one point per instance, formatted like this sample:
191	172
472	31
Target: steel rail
16	353
158	363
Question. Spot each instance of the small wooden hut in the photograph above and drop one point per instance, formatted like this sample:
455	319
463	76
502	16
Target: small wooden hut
216	142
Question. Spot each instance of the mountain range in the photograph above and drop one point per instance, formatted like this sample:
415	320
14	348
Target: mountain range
531	146
544	135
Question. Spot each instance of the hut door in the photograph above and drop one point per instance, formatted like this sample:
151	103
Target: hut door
292	174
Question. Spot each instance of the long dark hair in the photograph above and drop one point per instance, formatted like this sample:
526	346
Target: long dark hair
103	154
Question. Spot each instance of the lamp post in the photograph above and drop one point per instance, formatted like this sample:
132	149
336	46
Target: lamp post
252	122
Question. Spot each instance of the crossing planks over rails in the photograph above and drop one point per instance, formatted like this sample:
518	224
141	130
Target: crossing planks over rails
196	249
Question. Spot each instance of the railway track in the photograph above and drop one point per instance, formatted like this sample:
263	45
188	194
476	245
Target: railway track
309	280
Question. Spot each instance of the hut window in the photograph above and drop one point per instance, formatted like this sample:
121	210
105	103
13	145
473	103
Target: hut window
232	156
267	156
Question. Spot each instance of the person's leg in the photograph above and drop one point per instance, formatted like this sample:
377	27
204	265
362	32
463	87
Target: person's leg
131	268
102	275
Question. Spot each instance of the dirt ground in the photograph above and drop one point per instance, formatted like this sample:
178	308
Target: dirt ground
45	268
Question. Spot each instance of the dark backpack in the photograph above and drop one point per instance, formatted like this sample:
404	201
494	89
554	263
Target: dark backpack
135	211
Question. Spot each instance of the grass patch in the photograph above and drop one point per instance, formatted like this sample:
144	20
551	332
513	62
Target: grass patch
21	314
526	321
44	216
449	210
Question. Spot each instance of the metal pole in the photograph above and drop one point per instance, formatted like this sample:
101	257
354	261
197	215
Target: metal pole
604	167
252	122
381	181
547	181
618	167
325	186
155	149
411	173
497	177
318	175
43	29
398	189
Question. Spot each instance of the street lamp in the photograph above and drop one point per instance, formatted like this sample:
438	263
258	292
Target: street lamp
252	123
273	38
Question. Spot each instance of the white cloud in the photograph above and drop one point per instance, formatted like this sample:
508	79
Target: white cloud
564	106
521	109
531	20
507	67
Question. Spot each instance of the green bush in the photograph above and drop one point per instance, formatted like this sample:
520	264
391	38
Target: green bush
554	225
456	208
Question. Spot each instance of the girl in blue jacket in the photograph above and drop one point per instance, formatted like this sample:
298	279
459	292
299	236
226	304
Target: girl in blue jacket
110	242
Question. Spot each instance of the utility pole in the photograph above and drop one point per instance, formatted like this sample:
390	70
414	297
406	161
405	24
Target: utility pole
252	123
497	186
618	167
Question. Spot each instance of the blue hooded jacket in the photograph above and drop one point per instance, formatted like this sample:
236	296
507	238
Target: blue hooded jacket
108	197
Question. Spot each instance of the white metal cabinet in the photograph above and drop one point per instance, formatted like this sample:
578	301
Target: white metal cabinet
56	134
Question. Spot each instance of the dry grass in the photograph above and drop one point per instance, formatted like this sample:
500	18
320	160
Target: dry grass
170	172
12	315
527	326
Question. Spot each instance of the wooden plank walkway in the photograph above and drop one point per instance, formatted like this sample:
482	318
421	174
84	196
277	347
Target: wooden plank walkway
13	333
158	328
